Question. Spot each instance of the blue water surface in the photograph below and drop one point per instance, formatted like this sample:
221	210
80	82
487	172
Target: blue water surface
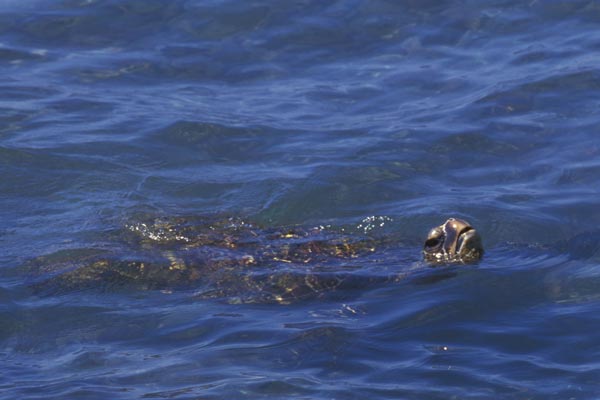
378	118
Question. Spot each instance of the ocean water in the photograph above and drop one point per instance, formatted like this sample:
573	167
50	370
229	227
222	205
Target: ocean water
366	119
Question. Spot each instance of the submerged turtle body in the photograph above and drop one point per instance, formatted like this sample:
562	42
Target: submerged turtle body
230	258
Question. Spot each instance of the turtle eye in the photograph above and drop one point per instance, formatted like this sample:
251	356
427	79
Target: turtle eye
465	230
461	237
433	242
435	239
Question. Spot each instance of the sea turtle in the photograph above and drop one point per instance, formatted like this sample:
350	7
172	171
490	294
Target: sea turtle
237	260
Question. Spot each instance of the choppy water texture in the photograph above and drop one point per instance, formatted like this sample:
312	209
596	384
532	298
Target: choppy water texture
374	119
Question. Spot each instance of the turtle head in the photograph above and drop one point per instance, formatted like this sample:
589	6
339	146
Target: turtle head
455	241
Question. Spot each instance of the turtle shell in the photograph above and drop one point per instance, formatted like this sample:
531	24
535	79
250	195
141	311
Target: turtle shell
212	257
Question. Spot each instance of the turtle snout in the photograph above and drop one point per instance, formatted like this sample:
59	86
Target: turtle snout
455	241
